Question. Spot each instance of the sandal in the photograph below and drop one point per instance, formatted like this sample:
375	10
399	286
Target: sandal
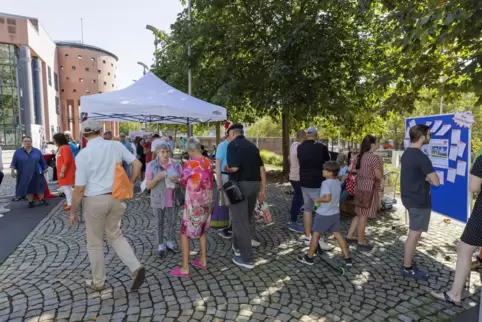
445	297
197	263
178	273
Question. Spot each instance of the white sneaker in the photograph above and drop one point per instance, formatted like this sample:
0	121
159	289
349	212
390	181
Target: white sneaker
255	243
324	245
4	210
307	240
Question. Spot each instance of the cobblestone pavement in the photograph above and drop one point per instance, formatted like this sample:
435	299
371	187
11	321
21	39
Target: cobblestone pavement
43	280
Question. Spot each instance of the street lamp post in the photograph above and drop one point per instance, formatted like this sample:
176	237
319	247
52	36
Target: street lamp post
146	68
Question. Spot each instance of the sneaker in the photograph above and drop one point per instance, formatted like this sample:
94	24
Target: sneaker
31	204
236	252
224	233
414	273
307	240
305	259
4	210
364	247
324	246
294	227
43	202
91	285
255	243
348	262
138	278
239	261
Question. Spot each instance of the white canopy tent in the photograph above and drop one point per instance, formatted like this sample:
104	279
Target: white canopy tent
150	100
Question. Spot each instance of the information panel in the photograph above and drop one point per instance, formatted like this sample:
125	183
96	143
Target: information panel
449	150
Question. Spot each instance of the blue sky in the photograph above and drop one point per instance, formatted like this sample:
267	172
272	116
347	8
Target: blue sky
115	25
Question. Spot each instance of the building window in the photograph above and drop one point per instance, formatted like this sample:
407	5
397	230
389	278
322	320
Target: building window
87	91
112	85
66	55
57	105
92	58
81	80
74	68
105	83
100	92
49	75
61	67
75	91
112	64
79	56
104	61
87	69
93	81
108	74
98	71
67	78
62	90
56	81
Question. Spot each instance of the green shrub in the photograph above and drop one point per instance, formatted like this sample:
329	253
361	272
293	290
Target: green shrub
271	158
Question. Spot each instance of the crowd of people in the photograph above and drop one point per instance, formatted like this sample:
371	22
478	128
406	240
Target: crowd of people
184	195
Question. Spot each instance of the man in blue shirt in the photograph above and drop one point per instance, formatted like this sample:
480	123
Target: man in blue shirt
222	177
128	146
72	145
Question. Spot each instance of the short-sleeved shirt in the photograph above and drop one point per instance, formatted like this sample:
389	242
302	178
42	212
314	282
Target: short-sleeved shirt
96	165
74	148
222	153
330	187
414	188
244	155
312	156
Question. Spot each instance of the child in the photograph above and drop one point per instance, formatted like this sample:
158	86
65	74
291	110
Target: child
327	218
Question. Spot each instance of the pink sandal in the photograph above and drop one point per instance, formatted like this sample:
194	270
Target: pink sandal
197	263
178	273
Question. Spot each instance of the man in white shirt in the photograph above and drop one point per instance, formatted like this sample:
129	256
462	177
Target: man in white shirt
94	179
294	177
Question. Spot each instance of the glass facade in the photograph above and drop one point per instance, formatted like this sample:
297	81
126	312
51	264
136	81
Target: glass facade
10	123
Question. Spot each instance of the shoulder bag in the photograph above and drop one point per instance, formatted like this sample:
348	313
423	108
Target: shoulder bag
232	189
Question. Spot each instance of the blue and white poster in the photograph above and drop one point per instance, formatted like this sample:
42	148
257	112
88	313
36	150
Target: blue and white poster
449	151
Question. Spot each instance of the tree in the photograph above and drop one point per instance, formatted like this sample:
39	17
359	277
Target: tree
265	127
289	60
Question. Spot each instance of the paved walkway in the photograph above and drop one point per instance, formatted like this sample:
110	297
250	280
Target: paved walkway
43	280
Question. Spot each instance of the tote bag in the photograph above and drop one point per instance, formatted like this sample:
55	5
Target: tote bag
220	216
122	187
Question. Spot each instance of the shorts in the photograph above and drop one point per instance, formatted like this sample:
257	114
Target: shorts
419	219
325	224
309	196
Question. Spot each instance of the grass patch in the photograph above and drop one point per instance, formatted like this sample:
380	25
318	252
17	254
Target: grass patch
271	158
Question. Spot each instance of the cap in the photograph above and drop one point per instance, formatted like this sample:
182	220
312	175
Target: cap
312	131
235	126
89	126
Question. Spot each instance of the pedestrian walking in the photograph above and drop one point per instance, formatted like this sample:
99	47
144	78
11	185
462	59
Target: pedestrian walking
294	178
94	179
65	168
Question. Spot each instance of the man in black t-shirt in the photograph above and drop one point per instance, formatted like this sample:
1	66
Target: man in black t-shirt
311	156
416	175
246	168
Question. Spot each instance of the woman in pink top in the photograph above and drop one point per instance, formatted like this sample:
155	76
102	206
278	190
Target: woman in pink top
294	177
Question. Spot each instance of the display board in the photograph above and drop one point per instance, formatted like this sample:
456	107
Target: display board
449	150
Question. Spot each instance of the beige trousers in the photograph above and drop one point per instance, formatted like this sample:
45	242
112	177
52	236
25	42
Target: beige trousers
104	214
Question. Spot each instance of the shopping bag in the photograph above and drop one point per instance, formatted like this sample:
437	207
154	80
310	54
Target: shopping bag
220	216
122	188
262	212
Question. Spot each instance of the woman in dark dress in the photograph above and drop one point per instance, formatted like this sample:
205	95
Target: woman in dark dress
471	239
28	166
139	142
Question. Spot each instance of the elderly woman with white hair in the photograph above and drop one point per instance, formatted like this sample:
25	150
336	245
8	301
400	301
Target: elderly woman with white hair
198	178
72	144
162	176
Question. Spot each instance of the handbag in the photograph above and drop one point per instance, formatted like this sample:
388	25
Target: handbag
220	216
233	192
262	212
122	188
364	197
351	180
179	196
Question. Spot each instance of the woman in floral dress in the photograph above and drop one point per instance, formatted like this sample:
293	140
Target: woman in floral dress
197	177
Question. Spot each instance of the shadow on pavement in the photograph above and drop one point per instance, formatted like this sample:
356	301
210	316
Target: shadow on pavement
471	315
19	222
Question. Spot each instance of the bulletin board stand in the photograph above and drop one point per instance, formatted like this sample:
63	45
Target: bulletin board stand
450	152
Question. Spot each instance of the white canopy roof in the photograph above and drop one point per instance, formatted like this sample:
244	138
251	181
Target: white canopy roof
150	100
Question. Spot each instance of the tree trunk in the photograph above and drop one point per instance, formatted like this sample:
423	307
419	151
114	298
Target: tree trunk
285	120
